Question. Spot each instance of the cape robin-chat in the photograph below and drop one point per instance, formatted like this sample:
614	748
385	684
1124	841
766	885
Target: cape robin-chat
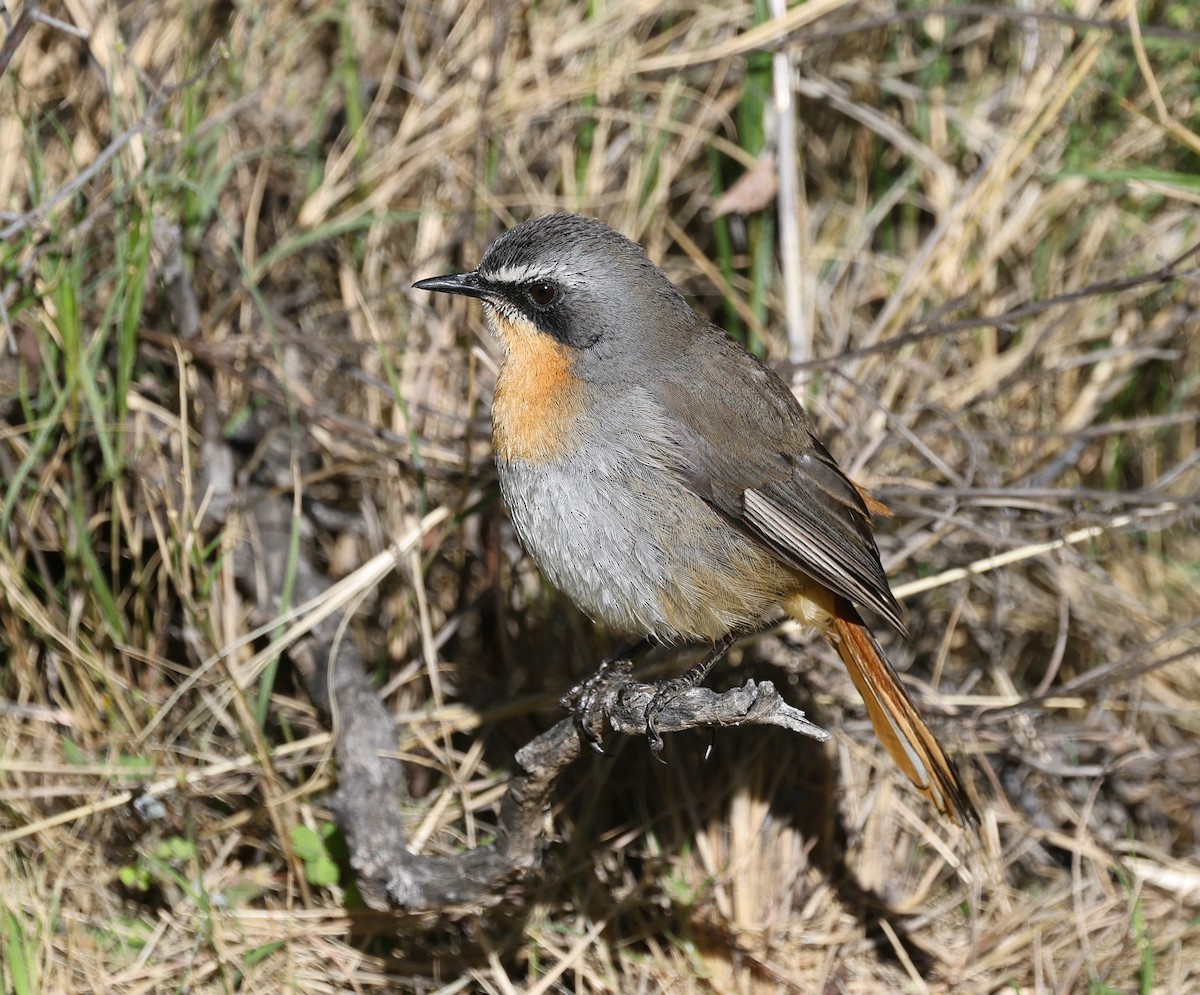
668	481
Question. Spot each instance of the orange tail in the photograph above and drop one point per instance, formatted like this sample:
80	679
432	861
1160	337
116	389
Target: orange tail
897	722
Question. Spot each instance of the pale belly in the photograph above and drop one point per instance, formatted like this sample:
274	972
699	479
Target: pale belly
630	545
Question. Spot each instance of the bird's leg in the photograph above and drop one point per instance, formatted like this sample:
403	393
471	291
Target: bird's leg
584	699
668	690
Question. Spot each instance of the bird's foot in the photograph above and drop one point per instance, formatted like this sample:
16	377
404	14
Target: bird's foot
665	692
668	690
585	701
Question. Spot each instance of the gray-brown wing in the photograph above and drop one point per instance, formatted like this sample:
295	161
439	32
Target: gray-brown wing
747	448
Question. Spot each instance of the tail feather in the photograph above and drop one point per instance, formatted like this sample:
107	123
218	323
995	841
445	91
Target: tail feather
897	722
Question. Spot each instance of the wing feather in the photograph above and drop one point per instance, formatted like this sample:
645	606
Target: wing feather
785	490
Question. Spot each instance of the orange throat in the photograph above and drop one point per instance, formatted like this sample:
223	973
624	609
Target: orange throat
537	396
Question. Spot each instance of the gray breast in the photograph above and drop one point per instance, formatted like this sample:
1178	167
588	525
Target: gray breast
617	530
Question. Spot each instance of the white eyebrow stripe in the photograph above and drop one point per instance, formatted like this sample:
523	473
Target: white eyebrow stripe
511	274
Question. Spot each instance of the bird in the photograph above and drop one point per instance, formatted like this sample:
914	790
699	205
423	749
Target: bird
668	481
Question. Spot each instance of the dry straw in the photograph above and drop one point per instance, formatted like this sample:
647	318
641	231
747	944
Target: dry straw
211	217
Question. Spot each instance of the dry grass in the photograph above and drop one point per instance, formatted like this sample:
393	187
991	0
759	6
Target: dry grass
317	159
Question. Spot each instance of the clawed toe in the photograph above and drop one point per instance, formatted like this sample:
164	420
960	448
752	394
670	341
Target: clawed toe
585	701
665	692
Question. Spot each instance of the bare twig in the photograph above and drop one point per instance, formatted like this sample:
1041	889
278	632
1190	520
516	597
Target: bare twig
1170	273
39	213
16	32
478	876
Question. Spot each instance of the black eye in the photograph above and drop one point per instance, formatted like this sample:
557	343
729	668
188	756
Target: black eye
542	293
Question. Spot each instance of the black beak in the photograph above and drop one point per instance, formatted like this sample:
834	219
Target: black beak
463	284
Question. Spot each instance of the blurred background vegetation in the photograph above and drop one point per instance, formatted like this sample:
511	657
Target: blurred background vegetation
210	218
